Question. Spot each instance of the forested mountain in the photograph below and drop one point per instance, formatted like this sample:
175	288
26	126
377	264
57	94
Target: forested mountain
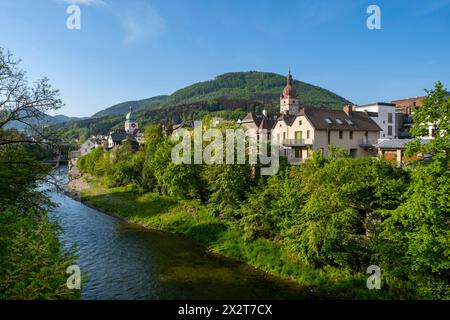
262	87
137	105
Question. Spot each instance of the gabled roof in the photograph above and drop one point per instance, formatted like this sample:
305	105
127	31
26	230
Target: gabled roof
253	117
339	120
287	118
118	137
267	123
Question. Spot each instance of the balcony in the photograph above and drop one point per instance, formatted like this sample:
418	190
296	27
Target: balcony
294	143
408	121
366	143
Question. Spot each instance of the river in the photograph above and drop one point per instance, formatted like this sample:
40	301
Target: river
127	261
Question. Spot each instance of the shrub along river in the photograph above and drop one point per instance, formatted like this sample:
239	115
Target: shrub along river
127	261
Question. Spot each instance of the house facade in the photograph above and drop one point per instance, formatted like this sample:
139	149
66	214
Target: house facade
385	116
300	130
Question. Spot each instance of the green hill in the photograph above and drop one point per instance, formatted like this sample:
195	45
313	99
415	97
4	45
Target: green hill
259	87
137	105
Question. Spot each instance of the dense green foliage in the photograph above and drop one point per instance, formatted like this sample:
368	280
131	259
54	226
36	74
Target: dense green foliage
32	261
416	236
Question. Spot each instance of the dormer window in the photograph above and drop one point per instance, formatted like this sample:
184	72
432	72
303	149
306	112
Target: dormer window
328	121
339	121
349	121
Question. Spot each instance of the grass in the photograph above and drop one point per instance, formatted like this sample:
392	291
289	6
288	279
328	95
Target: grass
191	219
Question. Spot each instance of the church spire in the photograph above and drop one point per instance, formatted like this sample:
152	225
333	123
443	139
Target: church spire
289	77
289	98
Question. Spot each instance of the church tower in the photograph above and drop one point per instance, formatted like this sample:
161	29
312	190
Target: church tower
130	122
289	98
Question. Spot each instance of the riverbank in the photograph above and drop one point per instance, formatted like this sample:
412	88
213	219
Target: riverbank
192	219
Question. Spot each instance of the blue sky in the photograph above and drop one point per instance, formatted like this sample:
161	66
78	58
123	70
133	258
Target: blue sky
136	49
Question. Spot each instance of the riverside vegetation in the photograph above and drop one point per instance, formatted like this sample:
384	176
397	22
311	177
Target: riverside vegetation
321	223
33	261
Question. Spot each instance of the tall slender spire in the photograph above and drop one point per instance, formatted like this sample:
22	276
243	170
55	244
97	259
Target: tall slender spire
289	77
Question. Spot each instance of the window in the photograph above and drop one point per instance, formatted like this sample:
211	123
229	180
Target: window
307	134
349	121
284	135
328	121
339	121
329	136
300	123
389	117
298	135
389	130
340	134
350	134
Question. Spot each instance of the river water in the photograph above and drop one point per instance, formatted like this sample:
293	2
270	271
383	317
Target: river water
126	261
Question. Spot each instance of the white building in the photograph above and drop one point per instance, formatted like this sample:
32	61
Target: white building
385	117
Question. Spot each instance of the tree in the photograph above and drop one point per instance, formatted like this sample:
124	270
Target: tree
32	258
435	110
341	198
24	104
153	138
415	237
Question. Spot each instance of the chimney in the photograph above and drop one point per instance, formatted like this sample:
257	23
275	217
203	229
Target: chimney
348	110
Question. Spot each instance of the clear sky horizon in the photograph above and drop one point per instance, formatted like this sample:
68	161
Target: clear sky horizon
130	50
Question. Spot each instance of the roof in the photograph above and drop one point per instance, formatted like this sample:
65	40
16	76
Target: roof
339	120
397	143
130	115
267	123
287	118
253	117
118	137
378	104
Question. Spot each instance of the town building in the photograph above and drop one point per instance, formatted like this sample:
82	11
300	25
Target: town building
131	133
385	116
405	109
86	147
300	130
